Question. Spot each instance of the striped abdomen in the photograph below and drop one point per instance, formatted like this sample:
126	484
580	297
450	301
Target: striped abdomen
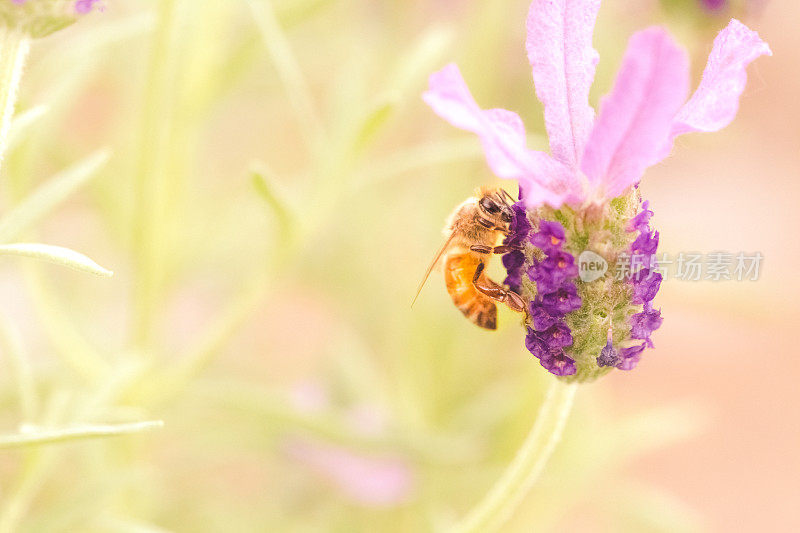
459	270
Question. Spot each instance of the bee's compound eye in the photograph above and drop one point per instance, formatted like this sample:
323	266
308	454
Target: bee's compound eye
488	205
507	215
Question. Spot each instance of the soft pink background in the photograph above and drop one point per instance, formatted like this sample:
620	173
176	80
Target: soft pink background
733	347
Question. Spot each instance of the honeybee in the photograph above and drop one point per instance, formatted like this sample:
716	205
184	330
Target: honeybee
473	231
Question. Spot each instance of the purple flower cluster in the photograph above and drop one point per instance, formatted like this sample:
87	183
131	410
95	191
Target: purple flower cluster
646	283
556	296
517	235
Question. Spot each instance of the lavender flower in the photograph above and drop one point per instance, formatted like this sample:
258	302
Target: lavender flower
584	196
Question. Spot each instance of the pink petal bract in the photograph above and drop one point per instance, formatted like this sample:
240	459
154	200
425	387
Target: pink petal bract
635	119
501	132
716	101
563	61
502	135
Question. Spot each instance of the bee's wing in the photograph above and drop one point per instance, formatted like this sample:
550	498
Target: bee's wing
436	258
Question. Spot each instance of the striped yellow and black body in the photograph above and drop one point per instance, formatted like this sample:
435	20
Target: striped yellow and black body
473	231
459	269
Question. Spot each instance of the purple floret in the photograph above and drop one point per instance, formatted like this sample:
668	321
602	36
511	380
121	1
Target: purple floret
608	356
646	243
536	344
646	282
645	286
562	301
549	237
557	336
641	222
518	232
646	322
541	318
629	357
513	263
557	295
559	364
553	272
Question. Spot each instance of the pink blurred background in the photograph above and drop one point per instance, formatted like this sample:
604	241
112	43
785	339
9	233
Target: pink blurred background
731	346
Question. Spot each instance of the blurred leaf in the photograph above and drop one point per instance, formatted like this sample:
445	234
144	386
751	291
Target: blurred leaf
374	121
22	123
51	436
59	327
414	158
268	186
222	78
409	73
426	55
276	413
289	71
48	195
21	373
57	255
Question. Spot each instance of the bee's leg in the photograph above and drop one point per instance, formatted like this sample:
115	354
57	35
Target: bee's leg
496	291
502	249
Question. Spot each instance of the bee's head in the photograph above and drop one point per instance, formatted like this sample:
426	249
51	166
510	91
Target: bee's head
494	207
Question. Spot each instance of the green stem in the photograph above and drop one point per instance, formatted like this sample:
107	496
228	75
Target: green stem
14	46
77	433
503	499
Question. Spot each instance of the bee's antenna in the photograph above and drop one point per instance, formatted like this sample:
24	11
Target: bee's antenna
505	195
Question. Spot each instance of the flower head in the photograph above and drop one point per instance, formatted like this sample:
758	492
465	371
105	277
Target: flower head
584	195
